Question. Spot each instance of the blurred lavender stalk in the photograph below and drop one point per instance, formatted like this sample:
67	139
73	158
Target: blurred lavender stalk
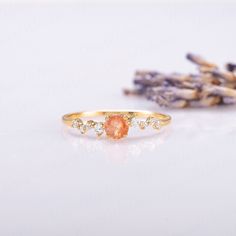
210	86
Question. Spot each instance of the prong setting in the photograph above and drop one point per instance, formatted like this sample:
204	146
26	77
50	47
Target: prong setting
99	128
77	123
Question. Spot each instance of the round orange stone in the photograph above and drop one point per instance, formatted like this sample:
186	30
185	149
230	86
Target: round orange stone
116	127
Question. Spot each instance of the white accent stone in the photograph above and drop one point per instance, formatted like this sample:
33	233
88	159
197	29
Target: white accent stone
83	129
134	122
76	123
142	124
99	128
155	123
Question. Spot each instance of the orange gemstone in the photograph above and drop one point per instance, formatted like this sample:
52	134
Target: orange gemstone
116	127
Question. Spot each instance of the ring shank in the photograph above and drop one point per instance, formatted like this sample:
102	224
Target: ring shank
68	118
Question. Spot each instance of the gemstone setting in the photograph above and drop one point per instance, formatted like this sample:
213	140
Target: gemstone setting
156	124
134	122
142	124
83	129
99	128
116	127
77	123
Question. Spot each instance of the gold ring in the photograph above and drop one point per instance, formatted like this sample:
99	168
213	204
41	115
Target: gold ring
116	123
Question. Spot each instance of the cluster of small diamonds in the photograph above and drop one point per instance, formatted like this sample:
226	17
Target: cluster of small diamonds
84	127
98	127
143	124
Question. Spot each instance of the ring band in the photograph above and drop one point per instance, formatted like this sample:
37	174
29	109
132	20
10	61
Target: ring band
117	123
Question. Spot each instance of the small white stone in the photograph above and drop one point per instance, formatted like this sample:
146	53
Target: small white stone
149	120
142	124
134	122
99	128
152	121
83	129
155	124
90	124
76	123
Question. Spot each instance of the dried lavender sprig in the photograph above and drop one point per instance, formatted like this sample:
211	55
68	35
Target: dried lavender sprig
210	86
231	67
200	61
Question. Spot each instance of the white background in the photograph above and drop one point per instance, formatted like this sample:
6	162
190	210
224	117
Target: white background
62	58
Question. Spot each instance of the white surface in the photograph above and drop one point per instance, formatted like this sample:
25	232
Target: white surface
58	59
114	2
